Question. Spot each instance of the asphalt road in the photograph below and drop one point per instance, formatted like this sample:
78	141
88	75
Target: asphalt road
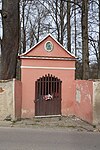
47	139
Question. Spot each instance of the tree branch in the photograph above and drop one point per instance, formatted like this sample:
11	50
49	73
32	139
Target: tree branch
0	40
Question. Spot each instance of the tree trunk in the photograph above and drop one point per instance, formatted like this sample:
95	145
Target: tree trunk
68	27
56	19
10	40
23	28
62	22
99	45
75	27
85	51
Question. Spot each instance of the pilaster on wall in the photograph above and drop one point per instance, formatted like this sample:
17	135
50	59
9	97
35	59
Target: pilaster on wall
17	99
96	102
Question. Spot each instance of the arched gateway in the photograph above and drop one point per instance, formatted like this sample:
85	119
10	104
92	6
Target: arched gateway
47	96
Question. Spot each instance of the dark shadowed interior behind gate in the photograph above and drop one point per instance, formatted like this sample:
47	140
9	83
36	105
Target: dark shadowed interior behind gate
48	96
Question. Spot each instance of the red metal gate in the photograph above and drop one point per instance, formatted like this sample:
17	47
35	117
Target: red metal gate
48	96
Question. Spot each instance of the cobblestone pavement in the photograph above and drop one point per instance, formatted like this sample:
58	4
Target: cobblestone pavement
69	123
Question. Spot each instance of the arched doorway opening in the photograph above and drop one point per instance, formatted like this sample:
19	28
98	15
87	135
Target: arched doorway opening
48	96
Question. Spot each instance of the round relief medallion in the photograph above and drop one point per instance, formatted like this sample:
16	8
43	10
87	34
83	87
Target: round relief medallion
48	46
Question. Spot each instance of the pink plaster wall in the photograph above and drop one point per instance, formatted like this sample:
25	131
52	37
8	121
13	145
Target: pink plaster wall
76	94
18	99
48	63
83	105
57	51
30	75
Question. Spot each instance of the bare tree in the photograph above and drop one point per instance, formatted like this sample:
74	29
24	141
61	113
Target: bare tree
94	34
68	26
10	39
75	28
85	50
57	12
34	23
99	45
